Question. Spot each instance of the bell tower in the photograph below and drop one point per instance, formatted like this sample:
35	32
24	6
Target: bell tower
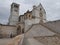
14	14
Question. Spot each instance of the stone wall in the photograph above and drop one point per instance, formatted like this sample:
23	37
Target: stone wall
22	27
7	30
54	25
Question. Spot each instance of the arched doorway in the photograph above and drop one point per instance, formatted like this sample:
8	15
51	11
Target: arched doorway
18	30
23	30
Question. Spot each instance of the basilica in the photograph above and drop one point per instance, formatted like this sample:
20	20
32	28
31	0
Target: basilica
33	25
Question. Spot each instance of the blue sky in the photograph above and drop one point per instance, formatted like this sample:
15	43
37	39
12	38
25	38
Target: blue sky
52	8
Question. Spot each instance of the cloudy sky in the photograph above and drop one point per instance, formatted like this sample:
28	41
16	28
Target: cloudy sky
52	8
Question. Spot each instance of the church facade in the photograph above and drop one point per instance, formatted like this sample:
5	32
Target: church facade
18	24
32	27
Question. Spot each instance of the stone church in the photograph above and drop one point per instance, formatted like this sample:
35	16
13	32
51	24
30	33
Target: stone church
33	24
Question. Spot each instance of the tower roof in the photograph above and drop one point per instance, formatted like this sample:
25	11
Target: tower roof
14	4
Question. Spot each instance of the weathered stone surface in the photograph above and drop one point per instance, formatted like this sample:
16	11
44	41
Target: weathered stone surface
35	34
14	15
54	25
39	30
54	40
18	40
32	41
7	30
4	41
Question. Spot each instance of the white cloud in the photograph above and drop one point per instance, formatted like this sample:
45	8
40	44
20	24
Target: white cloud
52	7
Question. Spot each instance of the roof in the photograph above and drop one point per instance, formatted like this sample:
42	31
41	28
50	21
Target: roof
46	40
7	25
39	30
54	25
14	3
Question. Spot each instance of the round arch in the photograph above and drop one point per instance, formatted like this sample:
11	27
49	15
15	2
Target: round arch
19	30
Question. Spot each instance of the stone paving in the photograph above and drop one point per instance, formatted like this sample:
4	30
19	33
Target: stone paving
4	41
